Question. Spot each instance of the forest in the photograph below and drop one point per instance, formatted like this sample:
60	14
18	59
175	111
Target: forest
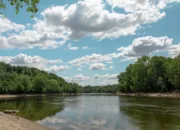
16	79
19	79
100	89
151	74
147	75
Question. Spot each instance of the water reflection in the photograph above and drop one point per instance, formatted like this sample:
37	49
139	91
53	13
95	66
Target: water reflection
152	113
99	112
90	113
34	108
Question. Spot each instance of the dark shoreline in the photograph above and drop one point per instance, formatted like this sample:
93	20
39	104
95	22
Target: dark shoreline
161	95
166	95
6	96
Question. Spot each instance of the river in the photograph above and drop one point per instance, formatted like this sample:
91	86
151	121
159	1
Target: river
98	112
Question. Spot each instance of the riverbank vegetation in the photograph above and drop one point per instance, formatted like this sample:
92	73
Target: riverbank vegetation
151	75
100	89
146	75
17	80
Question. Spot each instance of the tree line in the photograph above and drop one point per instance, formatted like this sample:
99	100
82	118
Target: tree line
151	74
147	74
25	80
100	89
17	79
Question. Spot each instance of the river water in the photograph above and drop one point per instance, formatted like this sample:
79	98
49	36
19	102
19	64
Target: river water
98	112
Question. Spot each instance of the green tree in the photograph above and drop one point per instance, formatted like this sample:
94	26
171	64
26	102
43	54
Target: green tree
25	82
173	71
52	86
19	88
4	87
39	83
18	79
155	74
31	5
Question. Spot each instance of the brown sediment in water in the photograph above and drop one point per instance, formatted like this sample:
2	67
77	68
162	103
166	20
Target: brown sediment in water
165	95
11	122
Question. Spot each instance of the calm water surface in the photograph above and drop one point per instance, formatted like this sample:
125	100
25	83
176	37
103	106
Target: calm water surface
99	112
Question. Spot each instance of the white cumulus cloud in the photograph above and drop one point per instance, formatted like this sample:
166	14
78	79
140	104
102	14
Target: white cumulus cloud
145	46
106	76
30	61
174	50
59	24
7	25
97	66
94	58
80	77
91	18
96	79
56	69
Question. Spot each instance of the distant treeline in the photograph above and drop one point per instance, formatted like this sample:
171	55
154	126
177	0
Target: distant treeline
101	89
16	79
155	74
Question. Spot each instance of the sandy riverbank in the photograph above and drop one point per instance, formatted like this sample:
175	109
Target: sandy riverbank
21	95
35	95
11	122
165	95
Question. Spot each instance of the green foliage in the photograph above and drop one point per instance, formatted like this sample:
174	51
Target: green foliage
31	5
16	79
155	74
100	89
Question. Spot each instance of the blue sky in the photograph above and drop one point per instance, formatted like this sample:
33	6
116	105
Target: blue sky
90	41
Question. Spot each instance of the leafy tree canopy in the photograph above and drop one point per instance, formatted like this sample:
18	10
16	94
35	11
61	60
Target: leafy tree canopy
31	5
151	74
